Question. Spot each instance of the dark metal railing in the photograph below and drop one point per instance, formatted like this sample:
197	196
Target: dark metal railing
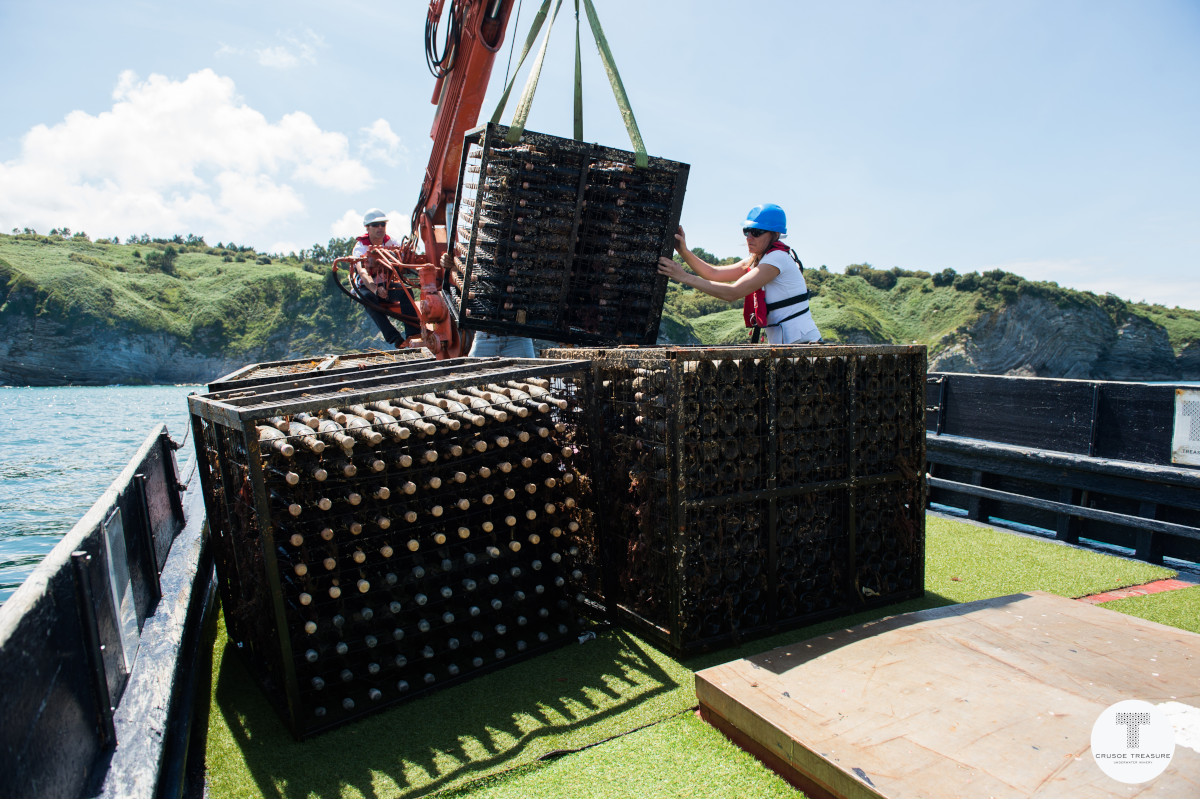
1086	460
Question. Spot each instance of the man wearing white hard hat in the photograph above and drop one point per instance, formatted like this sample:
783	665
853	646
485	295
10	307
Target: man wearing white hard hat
374	286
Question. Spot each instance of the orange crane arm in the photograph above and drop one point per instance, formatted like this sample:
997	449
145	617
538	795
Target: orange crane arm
477	32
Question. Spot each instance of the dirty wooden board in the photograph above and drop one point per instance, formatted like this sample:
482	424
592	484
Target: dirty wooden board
995	698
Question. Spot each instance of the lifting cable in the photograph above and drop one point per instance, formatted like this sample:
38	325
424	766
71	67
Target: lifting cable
512	43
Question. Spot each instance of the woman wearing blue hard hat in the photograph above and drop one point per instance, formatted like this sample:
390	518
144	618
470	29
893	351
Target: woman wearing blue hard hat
771	280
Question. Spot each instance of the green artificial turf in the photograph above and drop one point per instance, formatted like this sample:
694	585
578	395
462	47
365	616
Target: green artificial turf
502	734
1179	608
680	757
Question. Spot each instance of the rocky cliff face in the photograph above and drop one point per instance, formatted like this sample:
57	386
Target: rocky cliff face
1036	337
44	351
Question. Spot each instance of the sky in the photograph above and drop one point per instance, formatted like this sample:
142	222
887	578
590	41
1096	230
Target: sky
1051	138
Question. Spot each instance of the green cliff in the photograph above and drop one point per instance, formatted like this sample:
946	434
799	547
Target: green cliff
73	311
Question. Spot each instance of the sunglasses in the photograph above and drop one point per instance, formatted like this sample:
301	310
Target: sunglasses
755	232
377	225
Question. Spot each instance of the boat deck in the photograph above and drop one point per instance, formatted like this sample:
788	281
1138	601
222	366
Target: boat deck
994	698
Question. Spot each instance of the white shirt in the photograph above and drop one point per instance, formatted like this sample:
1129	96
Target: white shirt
360	249
789	283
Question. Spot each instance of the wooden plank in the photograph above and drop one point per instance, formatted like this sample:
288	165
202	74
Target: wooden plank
994	698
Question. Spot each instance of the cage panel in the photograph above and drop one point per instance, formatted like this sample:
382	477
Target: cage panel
557	239
757	488
383	536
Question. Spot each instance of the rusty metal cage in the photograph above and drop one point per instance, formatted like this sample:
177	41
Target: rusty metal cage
557	239
417	524
752	489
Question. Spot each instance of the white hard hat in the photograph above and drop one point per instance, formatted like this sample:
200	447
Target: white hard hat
374	215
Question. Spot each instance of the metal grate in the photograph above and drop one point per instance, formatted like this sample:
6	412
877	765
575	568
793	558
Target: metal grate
272	371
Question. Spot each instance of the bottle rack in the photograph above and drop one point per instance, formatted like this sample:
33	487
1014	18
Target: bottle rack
558	239
753	489
343	363
365	562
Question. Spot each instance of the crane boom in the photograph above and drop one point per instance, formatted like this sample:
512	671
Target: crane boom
476	32
458	95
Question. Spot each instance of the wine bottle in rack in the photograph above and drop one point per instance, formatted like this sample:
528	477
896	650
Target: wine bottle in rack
356	426
306	437
371	462
286	475
478	404
274	440
393	426
328	430
499	401
432	414
288	504
462	411
522	397
406	416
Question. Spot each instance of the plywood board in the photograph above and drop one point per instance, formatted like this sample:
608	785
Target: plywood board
995	698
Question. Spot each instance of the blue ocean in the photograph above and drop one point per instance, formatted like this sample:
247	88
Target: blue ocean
60	448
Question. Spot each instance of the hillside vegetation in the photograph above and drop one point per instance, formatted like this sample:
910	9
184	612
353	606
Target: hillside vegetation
229	305
867	305
220	301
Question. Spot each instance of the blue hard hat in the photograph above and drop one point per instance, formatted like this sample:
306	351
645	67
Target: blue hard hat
767	217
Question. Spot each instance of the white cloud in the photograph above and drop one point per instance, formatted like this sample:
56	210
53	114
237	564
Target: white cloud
381	143
173	157
293	50
277	57
349	224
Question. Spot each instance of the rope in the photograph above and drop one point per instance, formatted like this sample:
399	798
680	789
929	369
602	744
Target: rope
535	72
578	81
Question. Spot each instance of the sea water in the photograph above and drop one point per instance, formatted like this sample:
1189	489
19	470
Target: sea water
61	447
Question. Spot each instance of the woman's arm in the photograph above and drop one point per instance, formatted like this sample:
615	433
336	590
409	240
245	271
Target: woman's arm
703	268
746	283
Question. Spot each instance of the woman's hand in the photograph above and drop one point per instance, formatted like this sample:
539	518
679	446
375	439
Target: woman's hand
668	267
681	242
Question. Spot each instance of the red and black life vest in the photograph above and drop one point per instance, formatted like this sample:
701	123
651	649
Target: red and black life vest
755	307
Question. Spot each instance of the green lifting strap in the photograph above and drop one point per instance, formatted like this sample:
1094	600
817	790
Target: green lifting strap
578	81
521	114
614	78
538	19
